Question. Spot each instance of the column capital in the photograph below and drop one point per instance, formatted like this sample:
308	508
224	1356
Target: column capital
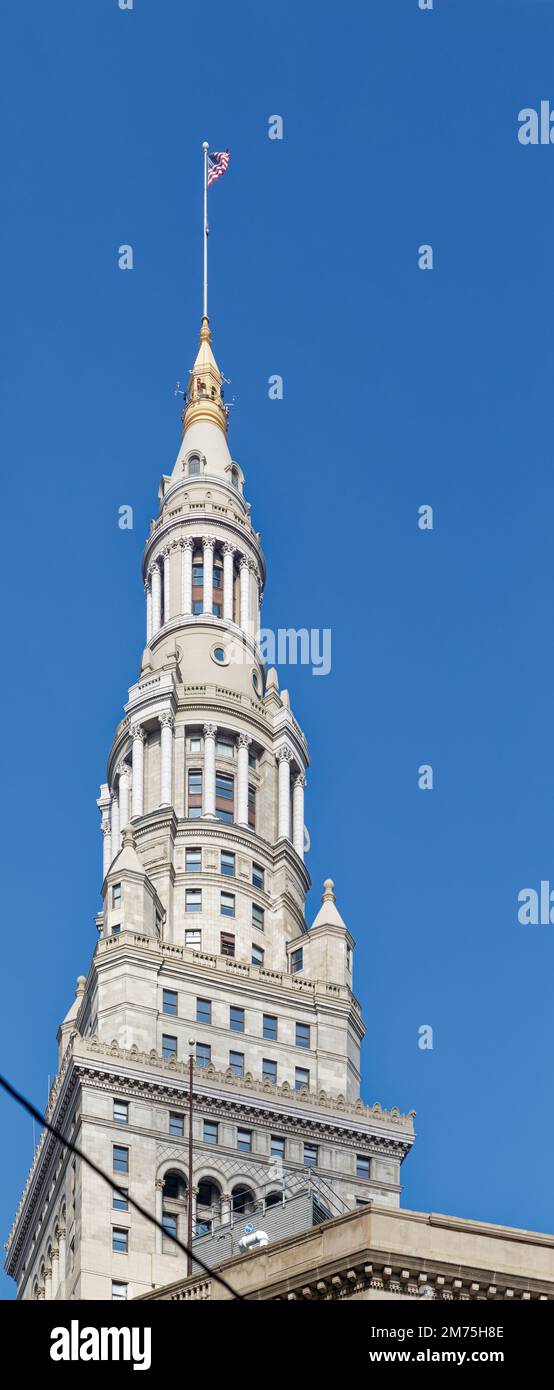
55	1252
210	730
137	731
301	780
166	552
186	543
106	823
159	1184
244	740
229	548
167	719
123	769
244	563
209	542
284	754
253	567
154	567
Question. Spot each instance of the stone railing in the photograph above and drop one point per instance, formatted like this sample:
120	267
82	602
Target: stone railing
228	965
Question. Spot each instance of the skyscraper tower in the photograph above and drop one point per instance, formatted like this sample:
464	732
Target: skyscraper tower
203	946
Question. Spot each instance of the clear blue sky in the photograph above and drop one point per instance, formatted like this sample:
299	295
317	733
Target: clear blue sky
401	388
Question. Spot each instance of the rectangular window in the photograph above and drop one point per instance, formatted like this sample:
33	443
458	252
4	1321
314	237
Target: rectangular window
236	1063
236	1019
258	875
210	1131
120	1202
203	1054
362	1201
169	1045
227	904
169	1223
252	761
115	931
203	1010
120	1159
270	1027
193	861
203	1228
252	807
224	797
121	1112
302	1035
277	1146
193	900
169	1002
195	793
116	895
224	748
297	960
257	916
227	864
216	610
310	1155
362	1166
120	1240
176	1124
257	954
218	577
301	1079
119	1291
227	944
195	745
269	1070
197	607
198	574
193	939
244	1140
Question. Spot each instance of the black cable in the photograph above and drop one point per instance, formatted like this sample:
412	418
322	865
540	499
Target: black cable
122	1191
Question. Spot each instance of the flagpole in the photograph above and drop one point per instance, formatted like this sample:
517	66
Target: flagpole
205	148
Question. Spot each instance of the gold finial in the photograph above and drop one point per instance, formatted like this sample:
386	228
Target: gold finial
205	400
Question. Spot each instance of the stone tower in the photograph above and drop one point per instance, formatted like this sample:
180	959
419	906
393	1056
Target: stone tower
203	946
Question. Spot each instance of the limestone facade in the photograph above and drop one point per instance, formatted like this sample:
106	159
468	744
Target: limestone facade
203	946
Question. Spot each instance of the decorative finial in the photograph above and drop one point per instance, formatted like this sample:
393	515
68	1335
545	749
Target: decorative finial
328	891
81	982
128	838
205	332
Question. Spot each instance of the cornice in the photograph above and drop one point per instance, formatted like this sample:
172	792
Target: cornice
187	522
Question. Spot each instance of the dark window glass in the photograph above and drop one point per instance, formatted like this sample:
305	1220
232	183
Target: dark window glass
302	1035
236	1019
203	1054
203	1010
310	1155
176	1124
297	960
244	1140
120	1241
257	955
277	1146
269	1070
169	1004
210	1131
270	1027
258	876
120	1202
227	864
257	916
227	944
301	1079
236	1063
362	1166
120	1159
193	860
169	1223
169	1046
224	786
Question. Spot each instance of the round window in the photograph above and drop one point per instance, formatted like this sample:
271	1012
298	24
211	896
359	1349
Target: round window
256	682
219	654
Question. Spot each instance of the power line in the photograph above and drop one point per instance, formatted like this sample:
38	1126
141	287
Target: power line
121	1191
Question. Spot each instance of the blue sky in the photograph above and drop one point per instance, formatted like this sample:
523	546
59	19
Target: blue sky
402	387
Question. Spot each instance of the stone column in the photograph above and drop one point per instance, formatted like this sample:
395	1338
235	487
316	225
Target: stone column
159	1213
208	543
284	758
148	592
167	584
61	1243
210	731
156	585
244	594
48	1282
167	722
106	843
55	1270
139	737
228	573
187	547
243	744
298	814
124	779
116	833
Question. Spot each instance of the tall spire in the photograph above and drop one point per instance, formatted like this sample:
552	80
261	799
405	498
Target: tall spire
205	398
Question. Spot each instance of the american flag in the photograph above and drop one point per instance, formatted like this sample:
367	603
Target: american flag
218	163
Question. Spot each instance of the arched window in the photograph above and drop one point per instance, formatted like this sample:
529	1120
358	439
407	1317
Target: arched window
208	1206
195	467
175	1187
235	478
243	1201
